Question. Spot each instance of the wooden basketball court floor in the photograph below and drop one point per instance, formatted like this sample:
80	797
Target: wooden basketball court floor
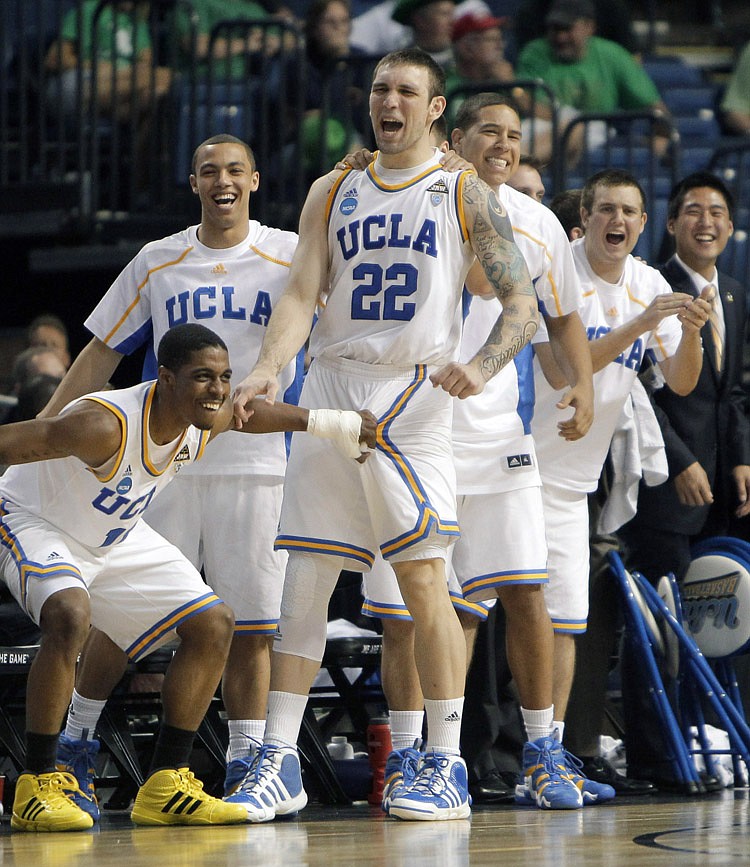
630	832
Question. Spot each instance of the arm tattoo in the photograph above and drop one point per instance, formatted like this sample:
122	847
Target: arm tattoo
493	243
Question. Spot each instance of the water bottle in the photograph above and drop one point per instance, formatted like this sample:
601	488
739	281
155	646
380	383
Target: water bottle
340	748
378	749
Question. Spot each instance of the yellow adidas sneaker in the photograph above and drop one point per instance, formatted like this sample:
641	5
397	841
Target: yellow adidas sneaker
41	804
170	797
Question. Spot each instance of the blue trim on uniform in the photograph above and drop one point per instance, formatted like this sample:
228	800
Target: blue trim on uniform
509	578
145	334
256	627
310	545
466	299
428	521
29	568
291	395
385	610
569	627
524	363
480	610
146	642
150	365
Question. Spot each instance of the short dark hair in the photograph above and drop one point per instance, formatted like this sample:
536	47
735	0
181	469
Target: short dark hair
181	341
566	206
223	138
49	320
532	162
691	182
420	59
23	364
609	178
440	128
468	112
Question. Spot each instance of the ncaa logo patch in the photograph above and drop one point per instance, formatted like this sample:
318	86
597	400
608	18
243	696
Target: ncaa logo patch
124	485
348	206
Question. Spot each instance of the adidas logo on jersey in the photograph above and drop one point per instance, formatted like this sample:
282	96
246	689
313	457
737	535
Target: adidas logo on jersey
611	312
515	461
219	269
54	556
182	455
351	194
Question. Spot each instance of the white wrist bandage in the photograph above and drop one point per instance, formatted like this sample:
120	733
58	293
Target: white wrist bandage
340	425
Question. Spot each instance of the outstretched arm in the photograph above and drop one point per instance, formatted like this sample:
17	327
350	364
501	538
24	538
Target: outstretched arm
491	239
352	432
88	431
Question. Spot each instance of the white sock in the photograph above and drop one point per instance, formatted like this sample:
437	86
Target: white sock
444	725
244	737
406	727
285	712
538	723
560	726
83	715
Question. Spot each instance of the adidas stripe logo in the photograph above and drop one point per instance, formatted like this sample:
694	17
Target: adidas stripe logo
181	803
454	717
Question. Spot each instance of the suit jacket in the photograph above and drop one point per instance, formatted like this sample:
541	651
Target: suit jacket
710	424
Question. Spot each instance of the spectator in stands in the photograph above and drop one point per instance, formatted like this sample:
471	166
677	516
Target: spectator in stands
233	53
613	21
479	60
566	206
336	84
527	178
735	104
51	331
126	80
431	22
117	65
27	365
586	72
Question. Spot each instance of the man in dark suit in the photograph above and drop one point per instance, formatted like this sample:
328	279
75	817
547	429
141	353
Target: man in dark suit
706	433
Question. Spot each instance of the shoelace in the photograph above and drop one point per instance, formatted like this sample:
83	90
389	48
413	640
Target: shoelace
574	762
190	783
430	778
547	760
57	783
256	773
410	762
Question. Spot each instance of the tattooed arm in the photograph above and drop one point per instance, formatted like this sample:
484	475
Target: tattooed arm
491	239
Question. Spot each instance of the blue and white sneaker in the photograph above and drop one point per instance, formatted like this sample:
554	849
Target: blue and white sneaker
591	791
78	758
439	791
401	769
236	772
545	779
272	785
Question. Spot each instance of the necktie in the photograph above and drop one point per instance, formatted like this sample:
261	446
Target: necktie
716	329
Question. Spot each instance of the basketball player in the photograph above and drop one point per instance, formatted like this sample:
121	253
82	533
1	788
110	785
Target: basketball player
629	310
75	551
228	272
501	552
391	246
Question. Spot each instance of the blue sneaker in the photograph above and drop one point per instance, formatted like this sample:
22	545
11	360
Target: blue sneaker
401	769
78	758
439	791
272	785
545	779
591	791
236	772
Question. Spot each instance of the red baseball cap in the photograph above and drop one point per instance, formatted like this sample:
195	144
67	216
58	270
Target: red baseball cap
473	23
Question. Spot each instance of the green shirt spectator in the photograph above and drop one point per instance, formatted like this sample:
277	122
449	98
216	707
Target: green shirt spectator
121	36
228	55
606	78
735	104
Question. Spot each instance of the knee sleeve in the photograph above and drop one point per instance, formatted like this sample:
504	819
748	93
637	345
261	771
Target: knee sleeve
308	586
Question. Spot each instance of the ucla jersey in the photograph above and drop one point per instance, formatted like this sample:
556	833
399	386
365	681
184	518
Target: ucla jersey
578	465
497	422
233	292
99	506
399	253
